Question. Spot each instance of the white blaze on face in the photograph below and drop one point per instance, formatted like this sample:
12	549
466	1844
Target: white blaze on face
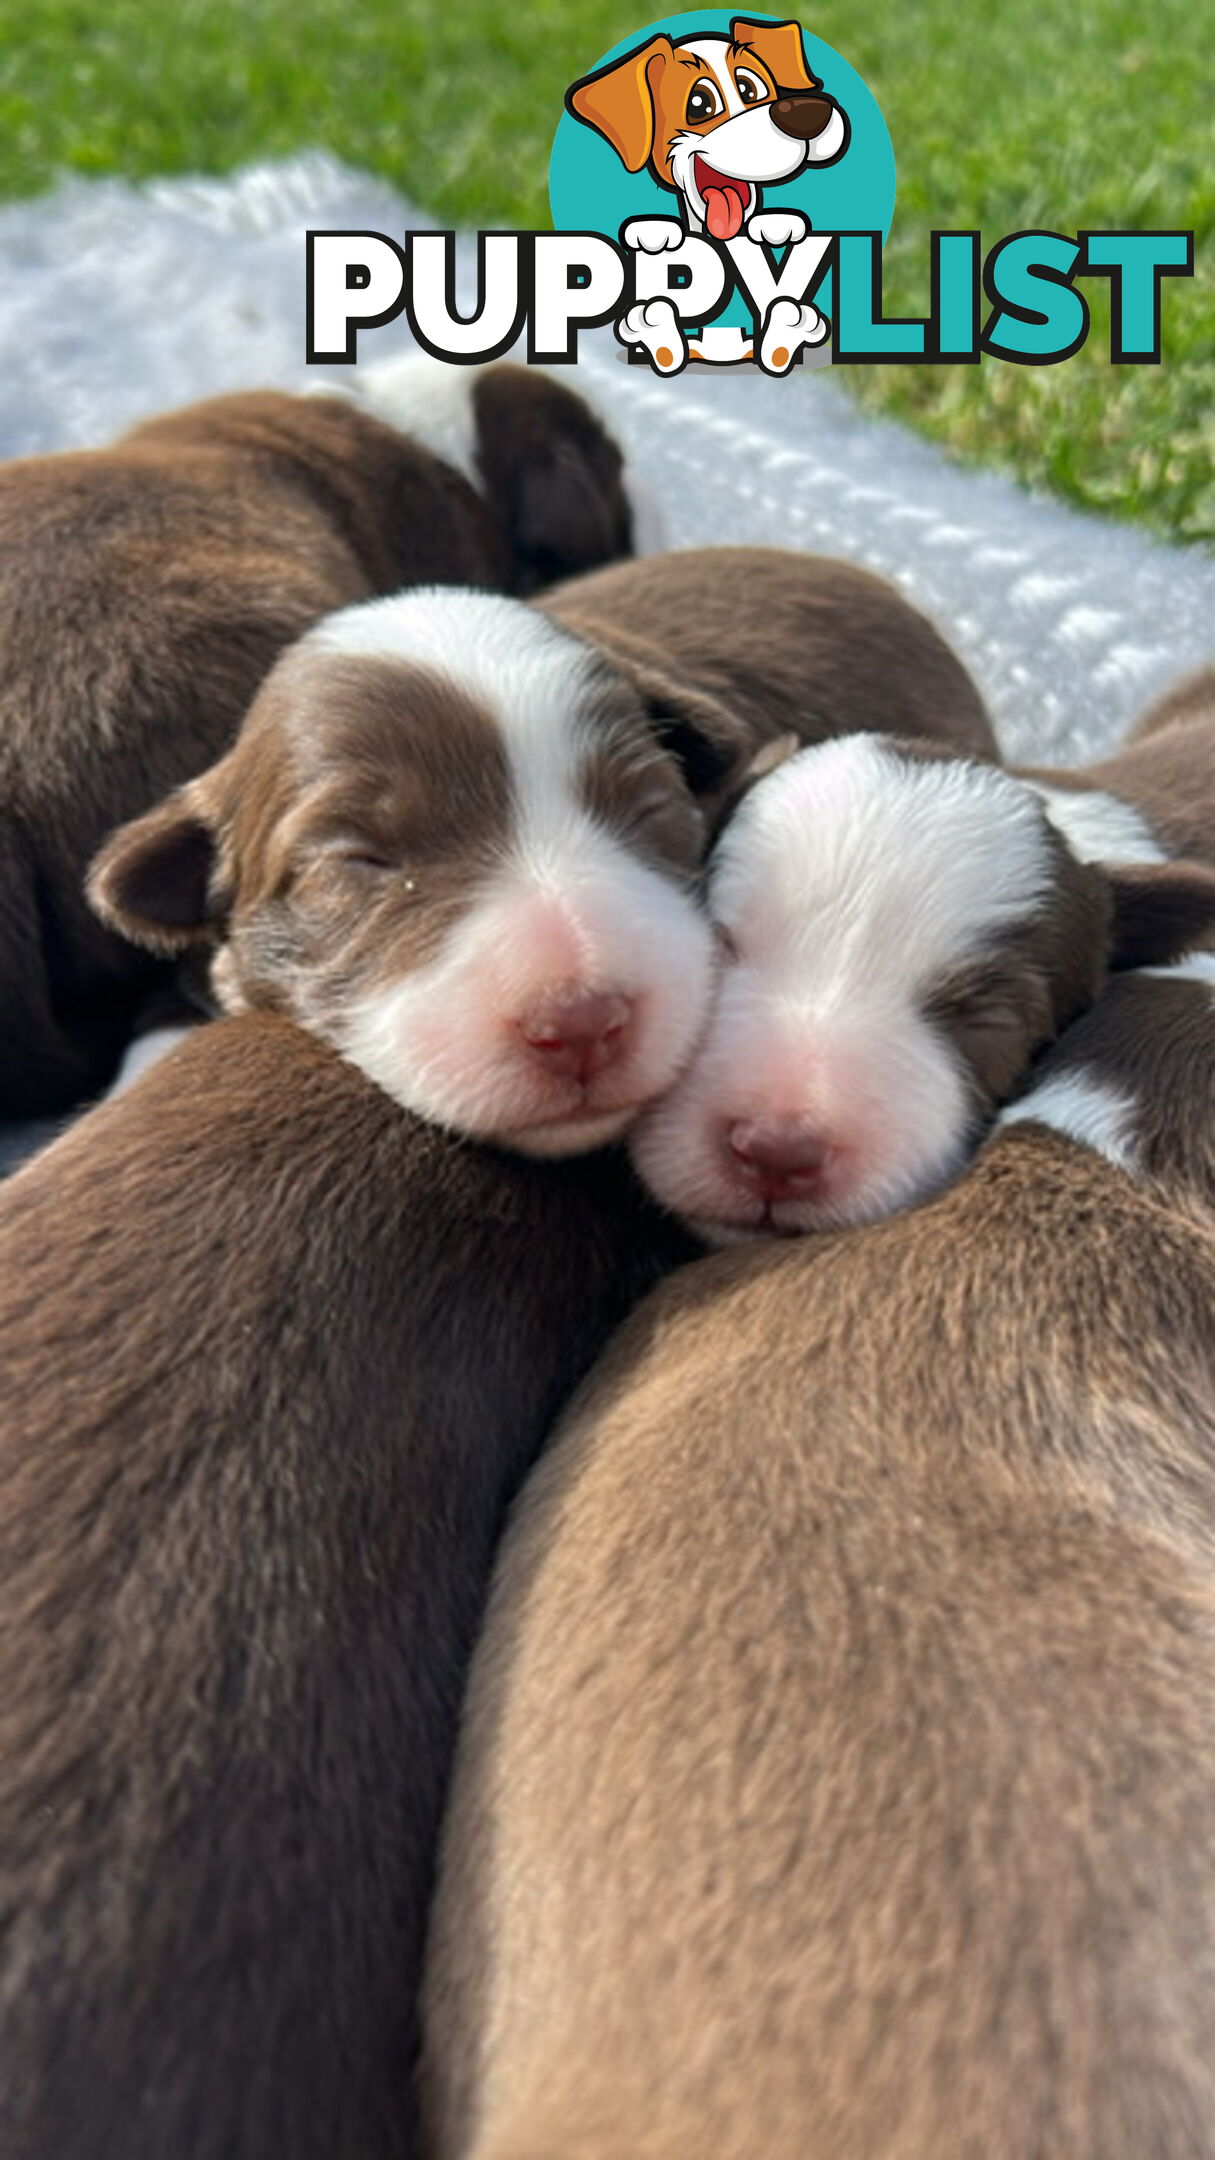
849	882
568	913
744	144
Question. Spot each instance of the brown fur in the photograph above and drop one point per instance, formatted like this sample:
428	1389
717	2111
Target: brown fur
779	642
273	1357
145	591
1165	770
838	1781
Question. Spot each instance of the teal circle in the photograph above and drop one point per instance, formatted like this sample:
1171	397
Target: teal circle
590	191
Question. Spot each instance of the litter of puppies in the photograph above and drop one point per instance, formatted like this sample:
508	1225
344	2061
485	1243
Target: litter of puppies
835	1775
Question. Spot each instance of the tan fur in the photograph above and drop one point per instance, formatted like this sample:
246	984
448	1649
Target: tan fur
838	1776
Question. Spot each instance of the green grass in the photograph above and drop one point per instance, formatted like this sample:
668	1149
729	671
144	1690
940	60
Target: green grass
1032	113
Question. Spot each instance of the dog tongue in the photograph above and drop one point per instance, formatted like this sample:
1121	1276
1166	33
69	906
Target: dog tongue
723	211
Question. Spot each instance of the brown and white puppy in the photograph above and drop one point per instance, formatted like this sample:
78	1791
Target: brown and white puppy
901	932
273	1358
1153	798
146	589
458	840
838	1770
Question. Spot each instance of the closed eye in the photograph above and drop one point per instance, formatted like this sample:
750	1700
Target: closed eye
726	943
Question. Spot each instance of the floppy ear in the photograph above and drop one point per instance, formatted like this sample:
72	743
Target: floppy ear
619	101
779	46
1161	911
552	475
152	882
708	742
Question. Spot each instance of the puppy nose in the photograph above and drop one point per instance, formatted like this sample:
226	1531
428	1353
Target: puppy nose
802	115
577	1032
781	1156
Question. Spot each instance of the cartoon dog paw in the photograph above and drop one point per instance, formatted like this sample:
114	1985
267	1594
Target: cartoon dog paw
788	328
653	234
654	324
777	227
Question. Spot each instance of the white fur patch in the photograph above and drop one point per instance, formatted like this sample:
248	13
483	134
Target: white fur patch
1098	827
570	905
1197	968
848	882
1086	1110
428	400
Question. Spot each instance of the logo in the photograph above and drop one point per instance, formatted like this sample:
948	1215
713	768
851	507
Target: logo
745	136
722	187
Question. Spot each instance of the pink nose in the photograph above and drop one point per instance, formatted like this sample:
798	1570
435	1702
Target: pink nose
781	1157
577	1032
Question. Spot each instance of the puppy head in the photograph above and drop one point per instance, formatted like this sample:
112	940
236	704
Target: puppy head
549	471
901	931
450	840
715	117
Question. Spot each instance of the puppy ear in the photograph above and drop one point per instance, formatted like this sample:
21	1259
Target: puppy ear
618	101
779	46
708	742
1161	911
153	880
552	475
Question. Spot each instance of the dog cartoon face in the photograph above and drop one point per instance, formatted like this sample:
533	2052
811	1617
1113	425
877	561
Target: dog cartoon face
713	117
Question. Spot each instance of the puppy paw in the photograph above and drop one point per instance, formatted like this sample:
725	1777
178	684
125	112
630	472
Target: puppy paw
654	324
789	328
653	234
777	227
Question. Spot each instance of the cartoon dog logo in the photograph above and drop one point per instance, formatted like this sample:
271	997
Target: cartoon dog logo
714	119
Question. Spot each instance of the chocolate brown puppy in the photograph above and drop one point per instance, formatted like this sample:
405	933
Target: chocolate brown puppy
786	643
273	1356
838	1774
146	589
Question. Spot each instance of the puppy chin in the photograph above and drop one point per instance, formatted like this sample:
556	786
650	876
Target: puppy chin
579	1135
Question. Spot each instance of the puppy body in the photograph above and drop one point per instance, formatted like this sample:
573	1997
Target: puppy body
838	1776
145	591
1155	797
788	642
274	1356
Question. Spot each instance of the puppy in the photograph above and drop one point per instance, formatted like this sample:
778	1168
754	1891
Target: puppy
785	643
457	840
1155	797
274	1356
838	1771
900	932
145	591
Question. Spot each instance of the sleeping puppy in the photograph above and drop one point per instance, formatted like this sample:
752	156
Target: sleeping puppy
900	932
145	590
837	1776
274	1356
458	840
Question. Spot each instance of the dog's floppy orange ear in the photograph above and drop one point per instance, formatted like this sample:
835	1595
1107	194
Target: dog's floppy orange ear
619	101
779	46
